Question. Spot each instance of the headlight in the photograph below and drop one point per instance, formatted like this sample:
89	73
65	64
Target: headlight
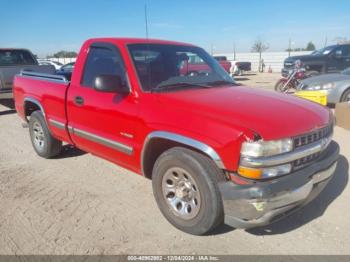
321	86
328	86
266	148
257	149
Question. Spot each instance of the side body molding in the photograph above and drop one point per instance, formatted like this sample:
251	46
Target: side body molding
186	141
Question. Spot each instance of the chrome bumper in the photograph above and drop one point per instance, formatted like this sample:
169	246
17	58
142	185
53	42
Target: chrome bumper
265	202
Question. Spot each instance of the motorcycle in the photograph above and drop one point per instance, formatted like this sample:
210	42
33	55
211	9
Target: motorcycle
291	82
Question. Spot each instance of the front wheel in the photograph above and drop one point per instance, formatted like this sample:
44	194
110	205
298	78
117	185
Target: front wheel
45	145
185	188
281	86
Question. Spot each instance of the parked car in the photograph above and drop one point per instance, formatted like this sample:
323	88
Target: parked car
238	68
337	86
12	61
223	62
331	59
56	64
215	151
66	70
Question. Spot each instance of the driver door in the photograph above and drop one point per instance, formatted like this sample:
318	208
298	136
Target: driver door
102	122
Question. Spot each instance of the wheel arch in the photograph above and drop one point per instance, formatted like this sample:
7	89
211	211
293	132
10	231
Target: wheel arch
31	105
159	141
346	89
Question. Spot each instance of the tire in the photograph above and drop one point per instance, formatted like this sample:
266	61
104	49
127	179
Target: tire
280	84
174	193
45	145
345	96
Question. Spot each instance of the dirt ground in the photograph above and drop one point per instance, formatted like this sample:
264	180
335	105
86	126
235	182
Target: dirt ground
80	204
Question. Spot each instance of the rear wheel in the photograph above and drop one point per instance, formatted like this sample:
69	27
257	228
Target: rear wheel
185	188
45	145
346	96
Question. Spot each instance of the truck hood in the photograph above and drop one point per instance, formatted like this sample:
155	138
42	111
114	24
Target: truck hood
326	78
305	58
270	114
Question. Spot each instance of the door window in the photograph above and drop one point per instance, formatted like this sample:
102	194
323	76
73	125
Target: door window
102	61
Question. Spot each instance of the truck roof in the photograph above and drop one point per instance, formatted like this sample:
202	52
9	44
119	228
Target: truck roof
11	48
126	40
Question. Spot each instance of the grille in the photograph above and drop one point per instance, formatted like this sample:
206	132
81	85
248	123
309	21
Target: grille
301	162
311	137
288	65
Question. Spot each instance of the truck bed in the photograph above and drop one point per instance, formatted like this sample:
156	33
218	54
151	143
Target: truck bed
7	74
50	90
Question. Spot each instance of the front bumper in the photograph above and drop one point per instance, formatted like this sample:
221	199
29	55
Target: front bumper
262	203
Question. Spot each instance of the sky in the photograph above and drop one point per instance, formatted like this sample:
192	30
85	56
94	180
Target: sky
48	26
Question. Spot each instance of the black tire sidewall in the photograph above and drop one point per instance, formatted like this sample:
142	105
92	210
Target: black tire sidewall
38	117
51	145
279	85
344	95
211	203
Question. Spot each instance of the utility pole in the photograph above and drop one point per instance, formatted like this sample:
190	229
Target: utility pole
146	21
211	48
325	41
289	46
234	52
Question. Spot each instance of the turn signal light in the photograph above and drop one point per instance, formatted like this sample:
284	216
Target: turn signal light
251	173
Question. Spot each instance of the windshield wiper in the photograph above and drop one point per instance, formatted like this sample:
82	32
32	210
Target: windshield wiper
179	84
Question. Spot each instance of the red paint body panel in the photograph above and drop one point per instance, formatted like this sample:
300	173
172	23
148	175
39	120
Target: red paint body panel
221	117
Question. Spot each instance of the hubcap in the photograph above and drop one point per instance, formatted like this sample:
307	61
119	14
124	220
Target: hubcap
181	193
38	135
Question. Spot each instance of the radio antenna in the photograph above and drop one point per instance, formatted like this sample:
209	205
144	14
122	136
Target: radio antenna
146	21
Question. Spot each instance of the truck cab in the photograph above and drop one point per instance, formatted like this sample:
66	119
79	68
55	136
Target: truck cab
331	59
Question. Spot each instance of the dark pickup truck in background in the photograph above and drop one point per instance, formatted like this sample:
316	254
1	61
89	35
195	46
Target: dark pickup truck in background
331	59
13	61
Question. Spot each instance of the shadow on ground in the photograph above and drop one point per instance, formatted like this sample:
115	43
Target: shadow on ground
9	103
242	78
70	151
314	209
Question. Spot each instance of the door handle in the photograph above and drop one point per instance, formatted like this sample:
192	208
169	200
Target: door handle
79	100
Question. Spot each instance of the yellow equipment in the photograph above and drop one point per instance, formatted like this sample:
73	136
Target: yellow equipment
315	96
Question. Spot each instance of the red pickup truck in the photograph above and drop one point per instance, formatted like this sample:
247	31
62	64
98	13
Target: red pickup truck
215	151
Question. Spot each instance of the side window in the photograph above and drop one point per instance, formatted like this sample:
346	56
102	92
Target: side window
346	51
102	61
195	59
343	51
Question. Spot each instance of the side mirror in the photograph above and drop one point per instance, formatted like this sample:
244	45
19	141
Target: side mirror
110	84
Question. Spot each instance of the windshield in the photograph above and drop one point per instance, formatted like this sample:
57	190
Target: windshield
323	51
346	71
165	66
16	57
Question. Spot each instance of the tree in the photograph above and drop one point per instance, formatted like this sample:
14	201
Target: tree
310	46
259	47
65	54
